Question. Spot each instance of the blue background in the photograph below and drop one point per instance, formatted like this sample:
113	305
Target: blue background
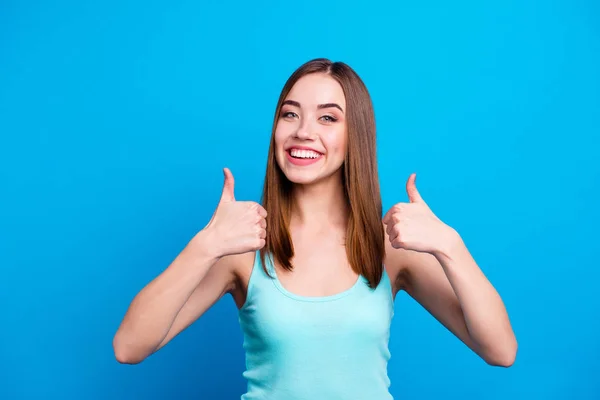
116	119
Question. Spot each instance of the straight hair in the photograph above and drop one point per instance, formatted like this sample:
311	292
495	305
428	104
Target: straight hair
365	246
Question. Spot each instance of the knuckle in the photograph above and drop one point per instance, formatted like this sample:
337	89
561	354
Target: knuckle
398	244
260	210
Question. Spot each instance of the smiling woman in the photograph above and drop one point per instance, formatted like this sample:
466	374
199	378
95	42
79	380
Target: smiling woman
296	124
315	268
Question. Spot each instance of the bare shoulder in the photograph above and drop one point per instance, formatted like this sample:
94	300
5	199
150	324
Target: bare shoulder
239	268
407	268
396	264
236	262
400	265
241	264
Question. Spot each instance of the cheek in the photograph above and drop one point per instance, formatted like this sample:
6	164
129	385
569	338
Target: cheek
282	132
279	141
336	141
280	137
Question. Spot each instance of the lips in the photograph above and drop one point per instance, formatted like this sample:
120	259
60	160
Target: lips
289	149
303	155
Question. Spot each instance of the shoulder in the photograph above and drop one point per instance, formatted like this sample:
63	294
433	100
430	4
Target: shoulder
242	265
406	267
396	262
237	268
236	265
399	264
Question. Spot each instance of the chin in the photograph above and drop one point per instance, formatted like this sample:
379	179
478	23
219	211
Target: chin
302	178
298	176
308	177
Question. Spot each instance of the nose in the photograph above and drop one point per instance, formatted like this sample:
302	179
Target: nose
305	130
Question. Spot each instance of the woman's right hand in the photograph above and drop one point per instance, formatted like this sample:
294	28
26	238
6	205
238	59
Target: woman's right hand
236	227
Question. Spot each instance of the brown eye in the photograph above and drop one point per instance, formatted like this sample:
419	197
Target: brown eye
328	118
289	114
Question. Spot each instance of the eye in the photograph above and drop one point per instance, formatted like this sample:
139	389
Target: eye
289	114
328	118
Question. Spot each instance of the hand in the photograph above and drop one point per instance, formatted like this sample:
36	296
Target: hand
413	226
236	226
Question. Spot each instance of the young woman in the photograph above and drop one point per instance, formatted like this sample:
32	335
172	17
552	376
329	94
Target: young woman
314	271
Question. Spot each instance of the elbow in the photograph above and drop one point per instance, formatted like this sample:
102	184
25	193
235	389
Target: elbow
124	353
123	357
503	357
505	361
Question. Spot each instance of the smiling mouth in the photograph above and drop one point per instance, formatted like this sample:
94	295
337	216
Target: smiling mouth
303	157
301	154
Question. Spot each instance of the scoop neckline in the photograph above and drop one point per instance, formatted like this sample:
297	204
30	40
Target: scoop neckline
312	299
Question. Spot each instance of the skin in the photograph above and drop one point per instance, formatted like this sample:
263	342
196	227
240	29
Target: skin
318	221
424	256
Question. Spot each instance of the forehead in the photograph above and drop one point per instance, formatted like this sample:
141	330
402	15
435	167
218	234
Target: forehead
314	89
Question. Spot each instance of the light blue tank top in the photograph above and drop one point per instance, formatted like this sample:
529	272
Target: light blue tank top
315	348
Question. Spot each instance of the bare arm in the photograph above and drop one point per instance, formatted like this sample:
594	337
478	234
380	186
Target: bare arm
195	280
162	309
452	288
219	280
429	260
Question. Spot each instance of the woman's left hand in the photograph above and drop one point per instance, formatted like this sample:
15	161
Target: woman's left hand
413	226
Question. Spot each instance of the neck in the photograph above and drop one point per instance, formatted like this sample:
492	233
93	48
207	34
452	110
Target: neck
321	205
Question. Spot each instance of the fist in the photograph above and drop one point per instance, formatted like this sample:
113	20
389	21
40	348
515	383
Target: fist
236	226
412	225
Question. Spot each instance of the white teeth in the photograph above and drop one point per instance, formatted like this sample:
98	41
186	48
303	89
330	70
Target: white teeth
304	153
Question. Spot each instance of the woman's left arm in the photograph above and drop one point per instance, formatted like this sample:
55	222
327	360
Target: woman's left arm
438	271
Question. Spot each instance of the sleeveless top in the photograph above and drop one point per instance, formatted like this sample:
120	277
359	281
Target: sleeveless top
315	348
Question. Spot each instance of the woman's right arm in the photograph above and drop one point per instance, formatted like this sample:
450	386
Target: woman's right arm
194	281
152	318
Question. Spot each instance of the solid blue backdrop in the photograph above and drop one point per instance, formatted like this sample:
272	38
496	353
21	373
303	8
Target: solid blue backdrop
116	119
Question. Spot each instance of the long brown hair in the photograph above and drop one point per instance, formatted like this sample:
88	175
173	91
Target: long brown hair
365	246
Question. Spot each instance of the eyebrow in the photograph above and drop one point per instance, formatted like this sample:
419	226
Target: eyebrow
326	105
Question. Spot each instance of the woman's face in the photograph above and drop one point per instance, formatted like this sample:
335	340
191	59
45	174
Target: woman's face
310	135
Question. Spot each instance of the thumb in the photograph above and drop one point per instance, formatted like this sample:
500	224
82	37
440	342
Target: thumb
411	190
227	194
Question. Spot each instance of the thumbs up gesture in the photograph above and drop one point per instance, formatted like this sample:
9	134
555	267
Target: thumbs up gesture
236	226
413	226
